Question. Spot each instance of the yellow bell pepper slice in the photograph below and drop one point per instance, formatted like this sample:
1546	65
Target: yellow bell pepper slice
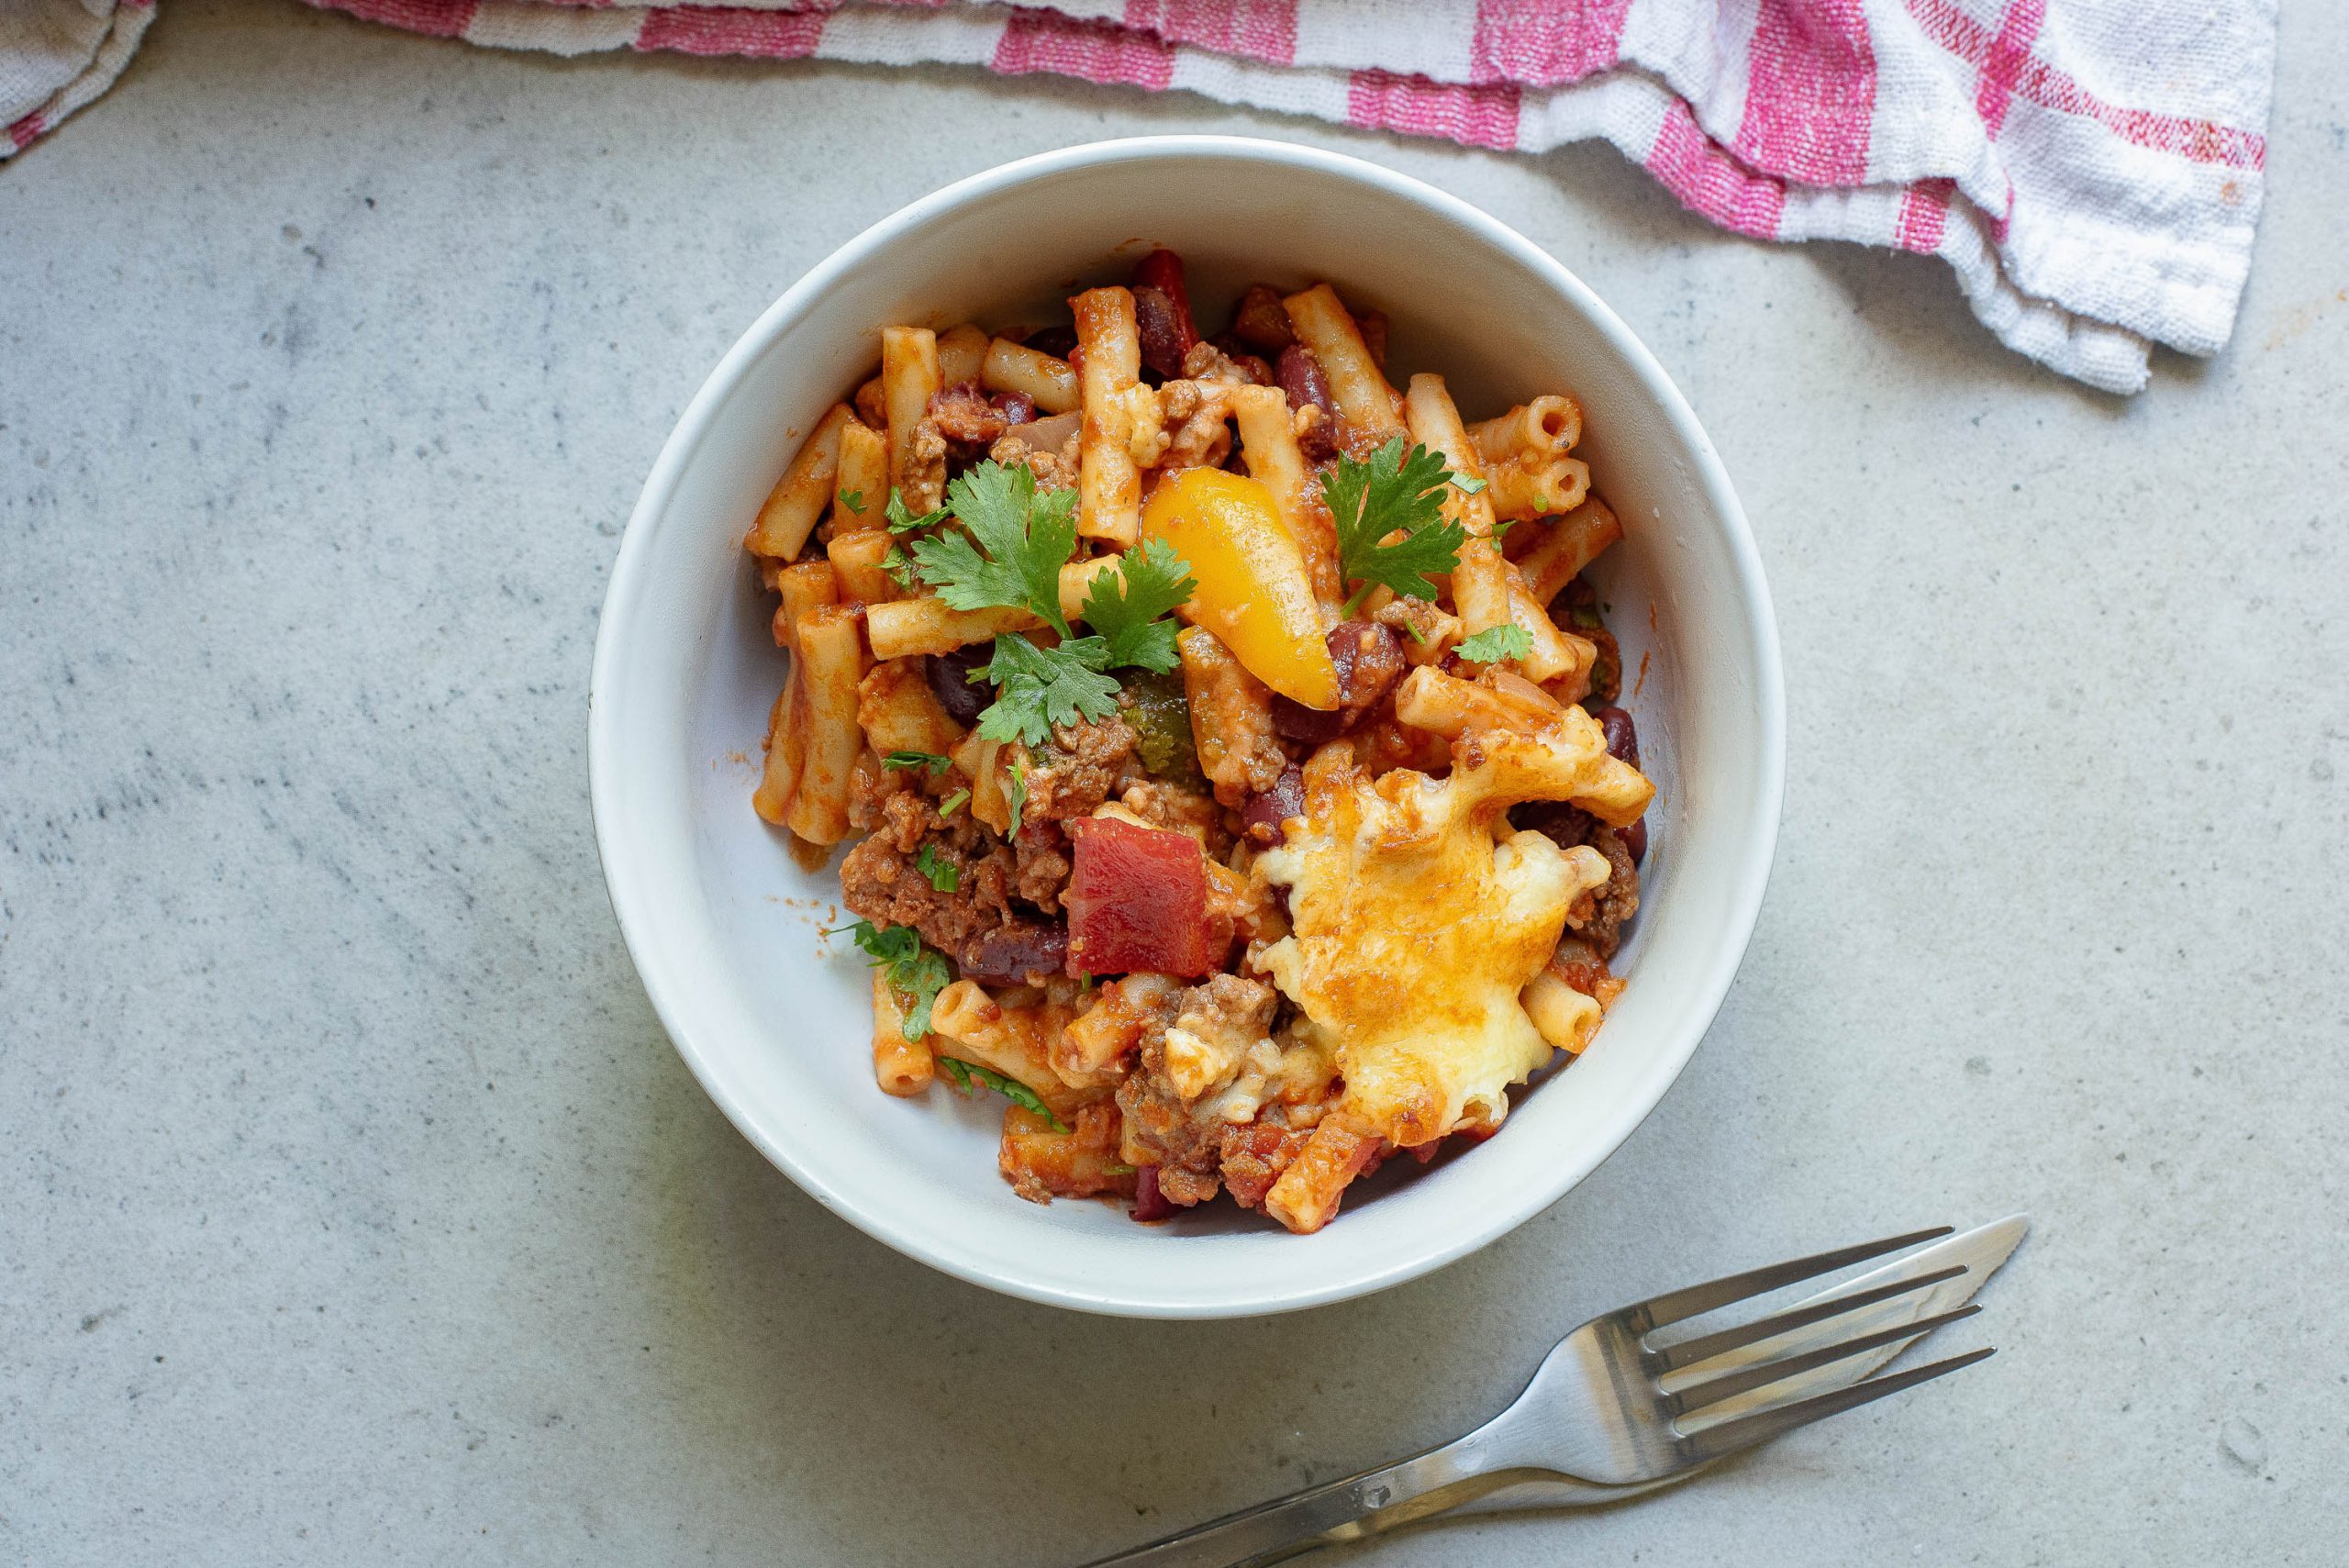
1254	593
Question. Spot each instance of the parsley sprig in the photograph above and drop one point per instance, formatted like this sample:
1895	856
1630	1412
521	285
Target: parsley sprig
1496	644
1037	688
915	973
1016	544
1008	554
901	520
1394	492
1127	608
965	1074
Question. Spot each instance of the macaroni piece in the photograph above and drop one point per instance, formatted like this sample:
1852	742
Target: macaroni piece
909	384
860	489
962	354
1108	478
1044	381
800	496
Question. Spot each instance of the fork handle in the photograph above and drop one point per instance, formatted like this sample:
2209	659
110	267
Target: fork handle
1375	1500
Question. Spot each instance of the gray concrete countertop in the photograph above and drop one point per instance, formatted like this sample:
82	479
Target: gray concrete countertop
354	1208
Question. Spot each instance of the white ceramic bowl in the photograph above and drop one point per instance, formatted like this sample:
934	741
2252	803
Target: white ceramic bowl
723	926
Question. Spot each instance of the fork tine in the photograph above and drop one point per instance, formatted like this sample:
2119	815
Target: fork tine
1674	1305
1746	1430
1688	1352
1715	1390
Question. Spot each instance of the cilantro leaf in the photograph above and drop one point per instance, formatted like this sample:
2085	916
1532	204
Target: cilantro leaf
853	500
882	944
944	874
1037	688
914	972
1496	644
1016	544
965	1074
902	521
899	566
1125	605
1018	793
930	759
1392	493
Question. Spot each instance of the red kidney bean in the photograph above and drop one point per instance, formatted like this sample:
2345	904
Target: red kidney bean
1294	721
1301	377
1369	662
1622	736
1263	814
1635	840
1149	1204
1057	341
949	683
1017	407
1163	269
1161	330
1008	955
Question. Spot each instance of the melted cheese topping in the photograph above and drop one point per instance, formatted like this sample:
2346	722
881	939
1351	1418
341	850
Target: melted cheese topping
1414	930
1228	1073
1294	1073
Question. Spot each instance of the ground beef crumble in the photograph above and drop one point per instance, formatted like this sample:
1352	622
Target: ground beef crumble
924	487
1194	414
1080	767
1613	905
1055	469
964	415
984	916
1041	864
1189	1149
1253	1158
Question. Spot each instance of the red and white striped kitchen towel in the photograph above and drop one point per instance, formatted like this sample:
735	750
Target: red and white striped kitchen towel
2091	169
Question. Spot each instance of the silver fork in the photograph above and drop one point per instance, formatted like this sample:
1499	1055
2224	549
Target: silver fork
1606	1415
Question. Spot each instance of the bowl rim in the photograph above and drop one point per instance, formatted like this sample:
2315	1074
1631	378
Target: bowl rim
1744	894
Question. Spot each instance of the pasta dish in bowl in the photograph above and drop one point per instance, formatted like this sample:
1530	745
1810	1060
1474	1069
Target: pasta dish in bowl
1214	726
1303	829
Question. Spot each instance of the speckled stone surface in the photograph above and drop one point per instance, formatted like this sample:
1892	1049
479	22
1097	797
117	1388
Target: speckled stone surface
354	1209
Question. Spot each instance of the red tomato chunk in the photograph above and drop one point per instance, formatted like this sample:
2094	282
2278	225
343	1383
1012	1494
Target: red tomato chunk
1138	900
